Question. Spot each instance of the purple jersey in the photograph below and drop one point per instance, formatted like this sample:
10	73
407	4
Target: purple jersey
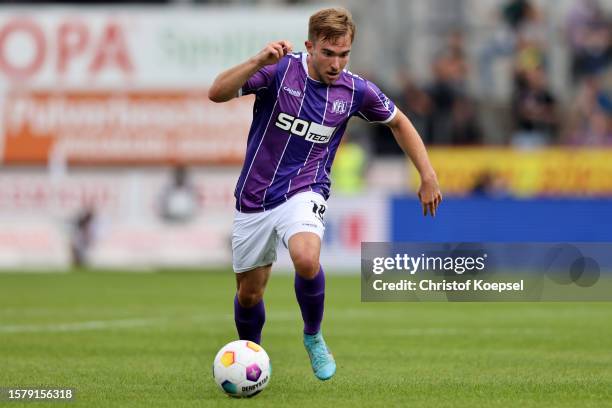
298	123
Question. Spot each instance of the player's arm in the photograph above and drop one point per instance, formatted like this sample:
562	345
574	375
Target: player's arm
409	140
228	83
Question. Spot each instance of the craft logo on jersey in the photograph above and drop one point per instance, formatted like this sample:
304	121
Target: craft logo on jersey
292	91
339	106
313	132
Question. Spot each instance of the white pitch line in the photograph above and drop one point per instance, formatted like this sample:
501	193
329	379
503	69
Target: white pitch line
277	316
79	326
114	324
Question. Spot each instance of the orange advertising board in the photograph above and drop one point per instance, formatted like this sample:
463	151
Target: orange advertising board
113	127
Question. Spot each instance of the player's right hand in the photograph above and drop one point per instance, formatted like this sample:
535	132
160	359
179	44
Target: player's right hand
430	195
273	52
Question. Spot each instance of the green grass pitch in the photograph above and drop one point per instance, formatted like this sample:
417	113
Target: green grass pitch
148	340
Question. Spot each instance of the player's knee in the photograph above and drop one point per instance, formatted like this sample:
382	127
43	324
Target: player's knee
306	264
249	297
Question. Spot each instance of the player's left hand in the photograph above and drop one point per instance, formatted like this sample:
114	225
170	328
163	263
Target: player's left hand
430	195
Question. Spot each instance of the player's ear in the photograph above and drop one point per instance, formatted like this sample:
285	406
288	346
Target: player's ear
309	46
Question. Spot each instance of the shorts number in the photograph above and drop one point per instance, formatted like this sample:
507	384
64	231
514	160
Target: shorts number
319	210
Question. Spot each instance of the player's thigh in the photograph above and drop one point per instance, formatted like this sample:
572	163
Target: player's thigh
254	241
250	285
302	227
304	212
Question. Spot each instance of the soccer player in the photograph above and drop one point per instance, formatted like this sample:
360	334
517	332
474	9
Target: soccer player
303	102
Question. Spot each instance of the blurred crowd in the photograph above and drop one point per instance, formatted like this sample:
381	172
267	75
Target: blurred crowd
446	113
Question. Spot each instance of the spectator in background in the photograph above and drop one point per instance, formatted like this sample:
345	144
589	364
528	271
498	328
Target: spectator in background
465	128
350	165
520	19
489	184
452	117
590	121
529	55
533	106
416	103
452	61
589	37
179	200
82	236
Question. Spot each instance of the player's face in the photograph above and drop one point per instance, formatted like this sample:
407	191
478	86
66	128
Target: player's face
328	58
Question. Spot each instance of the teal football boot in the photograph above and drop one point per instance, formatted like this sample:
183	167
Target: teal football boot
321	359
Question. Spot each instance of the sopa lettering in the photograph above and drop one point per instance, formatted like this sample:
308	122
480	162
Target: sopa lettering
313	132
28	45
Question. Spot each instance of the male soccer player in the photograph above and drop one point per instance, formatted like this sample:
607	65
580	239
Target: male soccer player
302	106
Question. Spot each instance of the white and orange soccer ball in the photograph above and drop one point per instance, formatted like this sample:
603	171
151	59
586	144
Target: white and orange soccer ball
242	368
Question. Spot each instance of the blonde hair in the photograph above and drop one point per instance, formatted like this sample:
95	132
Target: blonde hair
330	24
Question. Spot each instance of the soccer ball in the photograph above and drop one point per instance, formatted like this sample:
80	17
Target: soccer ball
242	368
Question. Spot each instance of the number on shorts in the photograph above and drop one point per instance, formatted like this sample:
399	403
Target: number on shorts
319	210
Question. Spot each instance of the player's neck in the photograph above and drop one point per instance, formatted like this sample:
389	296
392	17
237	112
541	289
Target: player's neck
312	73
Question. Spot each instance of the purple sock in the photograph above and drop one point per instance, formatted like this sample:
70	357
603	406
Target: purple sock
310	295
249	321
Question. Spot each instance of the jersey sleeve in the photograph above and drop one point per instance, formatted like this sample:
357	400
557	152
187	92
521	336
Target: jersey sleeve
260	80
375	106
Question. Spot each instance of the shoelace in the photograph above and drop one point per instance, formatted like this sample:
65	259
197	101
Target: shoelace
320	360
319	353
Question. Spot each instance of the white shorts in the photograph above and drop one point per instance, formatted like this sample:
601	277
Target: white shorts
255	236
